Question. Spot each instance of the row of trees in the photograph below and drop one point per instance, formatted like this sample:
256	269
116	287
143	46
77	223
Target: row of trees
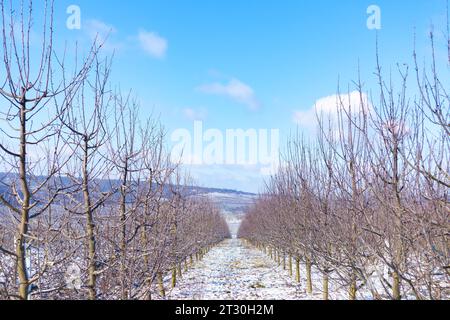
90	204
367	199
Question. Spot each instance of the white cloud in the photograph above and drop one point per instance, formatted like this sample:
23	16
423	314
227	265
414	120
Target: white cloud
328	107
235	90
98	29
103	33
153	44
193	114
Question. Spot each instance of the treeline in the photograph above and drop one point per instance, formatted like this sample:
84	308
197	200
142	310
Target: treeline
65	232
366	201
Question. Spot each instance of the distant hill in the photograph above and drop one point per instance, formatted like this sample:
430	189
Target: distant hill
106	185
232	203
206	190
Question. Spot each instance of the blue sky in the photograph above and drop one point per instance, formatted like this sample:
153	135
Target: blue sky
245	64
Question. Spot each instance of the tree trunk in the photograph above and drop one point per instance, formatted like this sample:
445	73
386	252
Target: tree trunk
162	291
352	290
297	269
90	226
92	257
22	271
308	276
290	265
180	274
123	240
325	285
396	295
174	277
21	256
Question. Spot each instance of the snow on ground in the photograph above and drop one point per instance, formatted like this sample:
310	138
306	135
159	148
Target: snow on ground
236	271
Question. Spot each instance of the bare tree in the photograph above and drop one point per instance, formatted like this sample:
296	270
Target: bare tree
87	135
366	202
30	89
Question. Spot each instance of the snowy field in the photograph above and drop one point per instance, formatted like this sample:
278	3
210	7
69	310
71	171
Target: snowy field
236	271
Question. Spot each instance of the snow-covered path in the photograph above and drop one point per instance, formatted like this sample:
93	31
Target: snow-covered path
236	271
